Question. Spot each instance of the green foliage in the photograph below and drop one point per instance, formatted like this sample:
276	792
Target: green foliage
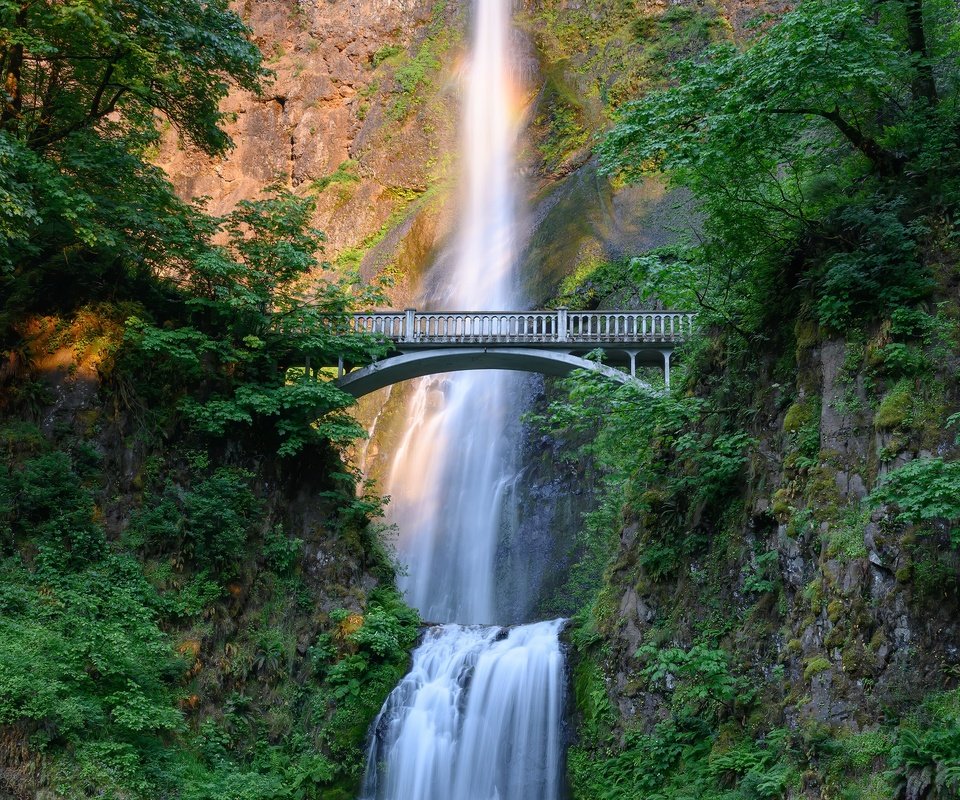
119	644
356	678
929	756
252	319
412	76
84	660
662	276
74	64
825	134
712	463
386	52
88	667
654	458
87	87
820	155
46	500
683	758
280	551
875	268
699	677
923	490
845	538
764	575
918	342
563	125
894	409
227	315
593	701
210	522
345	173
84	664
610	50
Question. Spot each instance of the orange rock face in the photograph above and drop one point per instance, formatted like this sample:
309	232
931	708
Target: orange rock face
332	101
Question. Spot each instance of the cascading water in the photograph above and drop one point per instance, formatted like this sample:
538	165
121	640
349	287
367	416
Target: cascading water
478	717
446	477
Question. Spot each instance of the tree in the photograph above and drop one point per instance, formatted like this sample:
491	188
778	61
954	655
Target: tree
110	66
251	323
774	138
87	86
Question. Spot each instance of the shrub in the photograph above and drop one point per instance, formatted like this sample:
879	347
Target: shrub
923	490
209	522
879	269
46	499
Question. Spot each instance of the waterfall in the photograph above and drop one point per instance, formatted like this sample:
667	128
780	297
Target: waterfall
478	716
446	477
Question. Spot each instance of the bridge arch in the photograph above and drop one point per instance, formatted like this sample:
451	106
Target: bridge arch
428	362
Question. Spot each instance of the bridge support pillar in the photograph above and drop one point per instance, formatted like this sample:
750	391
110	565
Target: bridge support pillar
666	366
408	324
633	362
340	367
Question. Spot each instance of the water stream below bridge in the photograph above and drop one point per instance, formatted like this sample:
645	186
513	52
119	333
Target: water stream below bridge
479	715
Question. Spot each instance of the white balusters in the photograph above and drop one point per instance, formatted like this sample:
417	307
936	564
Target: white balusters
531	327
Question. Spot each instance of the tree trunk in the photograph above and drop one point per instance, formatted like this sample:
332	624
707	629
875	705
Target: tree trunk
12	77
924	85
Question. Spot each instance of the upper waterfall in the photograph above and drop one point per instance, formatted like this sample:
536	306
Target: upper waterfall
484	271
454	467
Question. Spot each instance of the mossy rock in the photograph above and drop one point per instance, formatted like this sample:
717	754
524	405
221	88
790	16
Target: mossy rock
878	639
836	610
894	409
807	334
822	492
855	658
835	638
813	594
815	666
799	415
780	504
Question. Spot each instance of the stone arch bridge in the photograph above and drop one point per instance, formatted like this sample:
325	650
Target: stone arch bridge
548	342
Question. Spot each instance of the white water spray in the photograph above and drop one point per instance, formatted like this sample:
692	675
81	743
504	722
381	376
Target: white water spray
477	718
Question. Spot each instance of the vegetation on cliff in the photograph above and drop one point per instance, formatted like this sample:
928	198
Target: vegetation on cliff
777	616
775	544
185	609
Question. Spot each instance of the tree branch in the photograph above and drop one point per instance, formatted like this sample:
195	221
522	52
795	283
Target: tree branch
43	137
886	162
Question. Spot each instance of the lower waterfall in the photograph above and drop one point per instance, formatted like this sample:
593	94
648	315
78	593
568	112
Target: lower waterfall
477	718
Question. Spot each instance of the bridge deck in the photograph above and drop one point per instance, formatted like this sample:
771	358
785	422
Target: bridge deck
560	329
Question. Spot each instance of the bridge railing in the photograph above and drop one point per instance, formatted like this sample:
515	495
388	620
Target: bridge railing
522	327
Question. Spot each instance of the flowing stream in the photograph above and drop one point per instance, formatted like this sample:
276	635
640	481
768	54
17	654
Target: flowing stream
479	715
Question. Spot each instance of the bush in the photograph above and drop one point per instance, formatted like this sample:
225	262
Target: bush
877	270
210	522
926	756
46	500
923	490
